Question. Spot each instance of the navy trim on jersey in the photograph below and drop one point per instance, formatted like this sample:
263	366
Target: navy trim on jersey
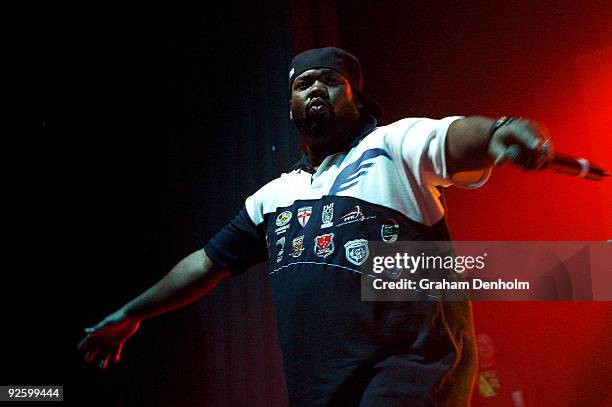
239	245
303	164
348	176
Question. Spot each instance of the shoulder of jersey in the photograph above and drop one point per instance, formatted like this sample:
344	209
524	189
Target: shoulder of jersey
377	137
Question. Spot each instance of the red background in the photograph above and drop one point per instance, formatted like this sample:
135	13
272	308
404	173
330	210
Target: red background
549	61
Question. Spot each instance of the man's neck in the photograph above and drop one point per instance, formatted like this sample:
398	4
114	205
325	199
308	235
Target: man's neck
316	157
342	141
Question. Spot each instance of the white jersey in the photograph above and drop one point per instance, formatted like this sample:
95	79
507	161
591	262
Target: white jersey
316	229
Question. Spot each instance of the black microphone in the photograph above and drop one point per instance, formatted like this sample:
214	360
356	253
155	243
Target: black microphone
560	163
576	166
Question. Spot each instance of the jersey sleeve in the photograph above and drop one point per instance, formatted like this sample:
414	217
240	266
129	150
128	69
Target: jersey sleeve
419	144
239	245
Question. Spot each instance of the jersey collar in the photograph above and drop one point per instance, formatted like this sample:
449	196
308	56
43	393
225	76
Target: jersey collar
304	163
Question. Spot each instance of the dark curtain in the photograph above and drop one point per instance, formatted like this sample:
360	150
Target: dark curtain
150	126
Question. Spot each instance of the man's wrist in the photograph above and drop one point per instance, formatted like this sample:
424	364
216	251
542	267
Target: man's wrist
502	121
127	314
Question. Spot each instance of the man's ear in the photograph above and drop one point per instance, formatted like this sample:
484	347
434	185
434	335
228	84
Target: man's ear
290	114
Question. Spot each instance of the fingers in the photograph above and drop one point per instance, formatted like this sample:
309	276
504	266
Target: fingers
91	355
94	333
89	338
88	342
94	349
118	353
528	134
84	342
102	356
510	153
113	356
522	142
97	353
104	342
498	149
104	362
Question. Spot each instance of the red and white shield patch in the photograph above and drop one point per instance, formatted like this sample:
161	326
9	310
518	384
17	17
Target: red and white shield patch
303	215
324	245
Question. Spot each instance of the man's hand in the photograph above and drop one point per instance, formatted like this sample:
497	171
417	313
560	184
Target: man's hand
192	277
522	142
104	341
470	146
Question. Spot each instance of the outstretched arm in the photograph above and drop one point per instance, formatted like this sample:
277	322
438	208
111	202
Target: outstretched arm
190	279
470	145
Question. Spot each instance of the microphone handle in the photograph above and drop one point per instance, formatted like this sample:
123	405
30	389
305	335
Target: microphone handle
575	166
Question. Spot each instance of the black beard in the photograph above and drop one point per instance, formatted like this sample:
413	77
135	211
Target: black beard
317	127
325	129
321	142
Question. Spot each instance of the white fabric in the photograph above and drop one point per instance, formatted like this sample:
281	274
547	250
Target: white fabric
407	164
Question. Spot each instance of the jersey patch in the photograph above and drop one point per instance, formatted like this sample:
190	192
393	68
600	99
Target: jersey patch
355	215
327	216
324	245
303	215
282	221
297	246
280	242
389	231
357	251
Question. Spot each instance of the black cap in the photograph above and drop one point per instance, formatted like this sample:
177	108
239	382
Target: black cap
341	61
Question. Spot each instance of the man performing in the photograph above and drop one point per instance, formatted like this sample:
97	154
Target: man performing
356	183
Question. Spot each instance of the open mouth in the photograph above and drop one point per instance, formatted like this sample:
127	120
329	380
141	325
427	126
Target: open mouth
318	106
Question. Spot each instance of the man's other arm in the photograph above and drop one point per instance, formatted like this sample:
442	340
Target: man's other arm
190	279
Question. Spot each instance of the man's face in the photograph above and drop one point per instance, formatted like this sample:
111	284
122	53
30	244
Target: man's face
322	104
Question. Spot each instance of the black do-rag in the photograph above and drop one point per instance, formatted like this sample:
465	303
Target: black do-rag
340	61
